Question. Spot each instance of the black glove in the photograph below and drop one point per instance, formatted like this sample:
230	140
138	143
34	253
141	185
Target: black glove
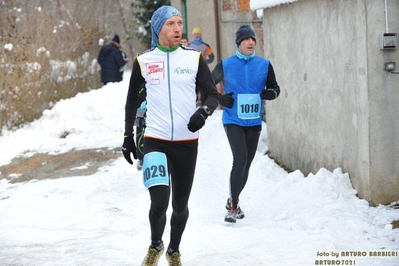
197	120
129	147
270	94
226	100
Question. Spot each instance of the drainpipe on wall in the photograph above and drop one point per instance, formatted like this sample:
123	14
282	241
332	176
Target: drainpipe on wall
386	17
388	41
217	29
184	4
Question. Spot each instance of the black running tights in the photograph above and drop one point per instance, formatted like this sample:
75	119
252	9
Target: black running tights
243	143
182	159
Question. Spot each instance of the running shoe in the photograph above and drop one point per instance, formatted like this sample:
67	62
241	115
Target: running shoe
153	255
240	214
231	216
174	258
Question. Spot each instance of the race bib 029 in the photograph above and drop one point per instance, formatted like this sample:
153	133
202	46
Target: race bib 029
155	169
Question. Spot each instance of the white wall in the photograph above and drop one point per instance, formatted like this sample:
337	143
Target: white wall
338	107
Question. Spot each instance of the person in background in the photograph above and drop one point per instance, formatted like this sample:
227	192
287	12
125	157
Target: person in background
171	74
199	45
184	39
111	61
243	104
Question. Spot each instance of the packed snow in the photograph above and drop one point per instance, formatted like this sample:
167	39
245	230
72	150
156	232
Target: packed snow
102	219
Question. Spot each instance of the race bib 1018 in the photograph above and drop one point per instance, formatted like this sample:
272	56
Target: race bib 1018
248	106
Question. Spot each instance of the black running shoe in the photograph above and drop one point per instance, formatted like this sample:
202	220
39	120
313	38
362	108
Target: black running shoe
240	214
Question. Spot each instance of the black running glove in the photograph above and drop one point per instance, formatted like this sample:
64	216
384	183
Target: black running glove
270	94
129	147
226	100
197	120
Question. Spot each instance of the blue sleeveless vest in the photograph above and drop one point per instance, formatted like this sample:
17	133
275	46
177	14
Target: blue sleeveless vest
243	77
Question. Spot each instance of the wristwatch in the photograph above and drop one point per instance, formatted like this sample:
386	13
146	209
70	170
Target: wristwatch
206	109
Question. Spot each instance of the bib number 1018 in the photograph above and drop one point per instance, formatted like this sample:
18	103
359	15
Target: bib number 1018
249	108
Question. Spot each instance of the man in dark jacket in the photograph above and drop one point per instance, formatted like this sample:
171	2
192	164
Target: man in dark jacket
111	61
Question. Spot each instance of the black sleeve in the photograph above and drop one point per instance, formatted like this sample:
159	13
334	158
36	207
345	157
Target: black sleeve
132	100
271	79
210	59
100	55
271	83
207	86
217	73
118	57
142	93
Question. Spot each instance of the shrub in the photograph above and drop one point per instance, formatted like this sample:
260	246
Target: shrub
43	59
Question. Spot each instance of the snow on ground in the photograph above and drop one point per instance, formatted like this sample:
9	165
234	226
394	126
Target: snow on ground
102	219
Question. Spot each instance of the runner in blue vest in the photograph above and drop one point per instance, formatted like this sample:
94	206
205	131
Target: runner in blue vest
247	80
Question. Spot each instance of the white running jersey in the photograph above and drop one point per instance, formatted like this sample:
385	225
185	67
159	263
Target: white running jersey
169	108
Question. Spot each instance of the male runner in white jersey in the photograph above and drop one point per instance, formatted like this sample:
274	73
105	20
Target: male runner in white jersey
171	73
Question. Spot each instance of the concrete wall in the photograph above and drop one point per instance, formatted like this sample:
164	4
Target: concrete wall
384	104
338	107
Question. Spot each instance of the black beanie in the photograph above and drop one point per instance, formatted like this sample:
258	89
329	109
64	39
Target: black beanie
244	32
116	39
184	36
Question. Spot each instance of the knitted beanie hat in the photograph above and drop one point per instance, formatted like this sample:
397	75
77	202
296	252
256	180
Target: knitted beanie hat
158	19
116	39
197	30
244	32
184	36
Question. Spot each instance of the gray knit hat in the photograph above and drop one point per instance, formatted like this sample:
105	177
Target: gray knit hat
244	32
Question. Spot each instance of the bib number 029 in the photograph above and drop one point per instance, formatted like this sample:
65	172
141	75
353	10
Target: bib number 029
155	169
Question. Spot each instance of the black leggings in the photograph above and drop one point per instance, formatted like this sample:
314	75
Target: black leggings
243	143
182	158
